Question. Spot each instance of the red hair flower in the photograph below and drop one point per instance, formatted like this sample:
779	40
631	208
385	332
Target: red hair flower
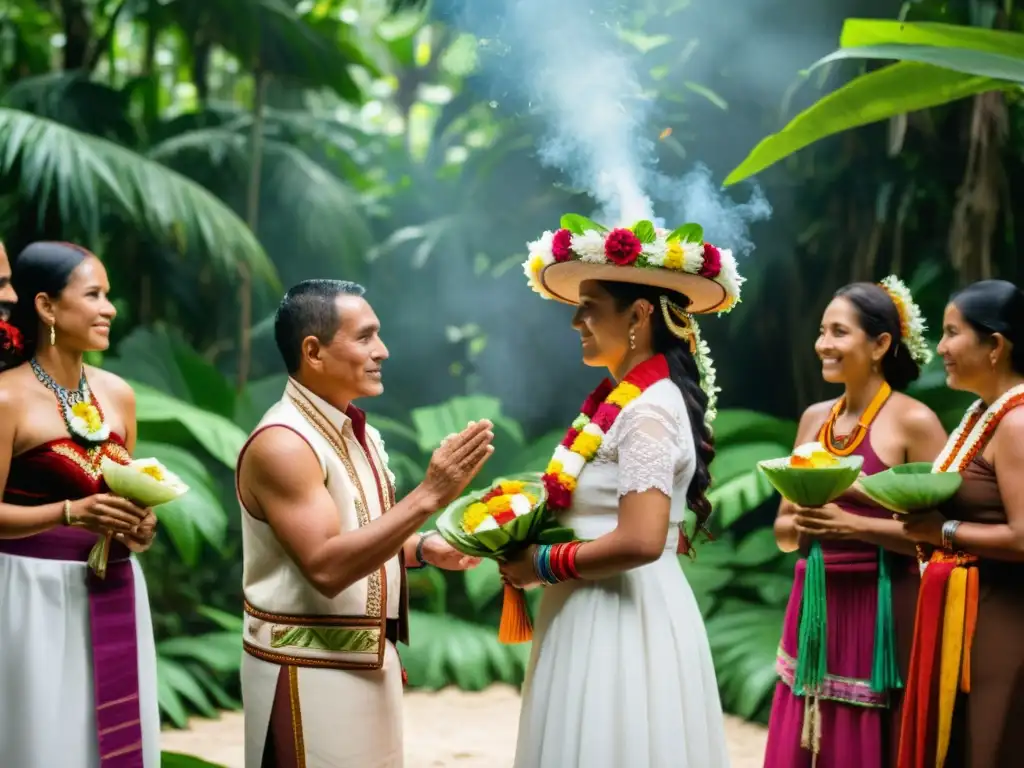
10	338
712	266
561	245
622	247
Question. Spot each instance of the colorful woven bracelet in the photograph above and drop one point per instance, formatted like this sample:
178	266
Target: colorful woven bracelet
556	563
542	564
567	560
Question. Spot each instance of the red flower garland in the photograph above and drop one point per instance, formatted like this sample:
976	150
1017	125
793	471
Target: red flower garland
602	414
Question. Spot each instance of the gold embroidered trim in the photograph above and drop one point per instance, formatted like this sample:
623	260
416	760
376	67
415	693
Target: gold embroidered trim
311	619
374	599
88	459
284	659
293	695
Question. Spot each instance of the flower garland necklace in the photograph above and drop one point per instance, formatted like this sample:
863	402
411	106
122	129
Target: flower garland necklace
584	437
79	408
974	431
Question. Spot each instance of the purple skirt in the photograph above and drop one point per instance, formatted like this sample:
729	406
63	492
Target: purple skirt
854	720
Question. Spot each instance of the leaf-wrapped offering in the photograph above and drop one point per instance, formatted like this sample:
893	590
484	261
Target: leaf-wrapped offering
147	483
496	524
911	487
811	476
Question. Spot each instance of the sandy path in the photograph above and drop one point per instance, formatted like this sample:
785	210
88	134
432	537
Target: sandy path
435	735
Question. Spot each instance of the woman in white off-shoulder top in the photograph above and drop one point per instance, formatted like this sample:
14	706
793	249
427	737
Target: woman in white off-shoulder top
621	672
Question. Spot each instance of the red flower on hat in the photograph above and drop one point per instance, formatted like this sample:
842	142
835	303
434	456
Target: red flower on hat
561	245
622	247
712	266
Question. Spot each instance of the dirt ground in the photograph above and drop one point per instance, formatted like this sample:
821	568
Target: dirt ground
434	733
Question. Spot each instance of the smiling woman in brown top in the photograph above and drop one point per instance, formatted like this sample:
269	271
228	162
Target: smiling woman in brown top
964	702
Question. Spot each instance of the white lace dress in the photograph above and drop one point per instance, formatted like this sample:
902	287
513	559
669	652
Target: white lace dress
621	673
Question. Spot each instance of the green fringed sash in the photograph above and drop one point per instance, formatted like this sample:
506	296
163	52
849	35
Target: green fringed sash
812	648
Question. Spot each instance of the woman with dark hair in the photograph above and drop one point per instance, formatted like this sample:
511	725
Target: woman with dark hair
871	341
967	671
79	663
621	672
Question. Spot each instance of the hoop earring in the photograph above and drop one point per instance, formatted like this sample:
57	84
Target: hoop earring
632	339
53	335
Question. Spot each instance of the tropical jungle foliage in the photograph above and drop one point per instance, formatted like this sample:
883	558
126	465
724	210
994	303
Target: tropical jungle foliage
214	151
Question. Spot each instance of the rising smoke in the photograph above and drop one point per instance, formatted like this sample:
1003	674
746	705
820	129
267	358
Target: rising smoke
565	62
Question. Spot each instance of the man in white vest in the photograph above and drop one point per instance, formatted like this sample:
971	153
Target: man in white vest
325	545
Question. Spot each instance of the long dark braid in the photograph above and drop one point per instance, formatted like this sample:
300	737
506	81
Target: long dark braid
682	368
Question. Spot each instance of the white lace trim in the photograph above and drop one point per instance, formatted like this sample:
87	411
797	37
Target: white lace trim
646	442
646	463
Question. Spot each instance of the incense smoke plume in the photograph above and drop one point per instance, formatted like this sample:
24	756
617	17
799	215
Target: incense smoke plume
565	61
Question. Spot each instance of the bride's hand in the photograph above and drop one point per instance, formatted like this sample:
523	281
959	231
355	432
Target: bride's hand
519	570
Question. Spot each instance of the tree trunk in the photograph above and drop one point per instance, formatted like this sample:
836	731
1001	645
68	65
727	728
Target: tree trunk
77	34
252	209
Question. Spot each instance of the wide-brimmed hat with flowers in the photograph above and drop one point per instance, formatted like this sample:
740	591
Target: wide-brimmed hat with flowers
679	261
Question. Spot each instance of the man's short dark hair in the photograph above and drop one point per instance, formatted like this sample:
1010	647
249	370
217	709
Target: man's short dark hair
309	309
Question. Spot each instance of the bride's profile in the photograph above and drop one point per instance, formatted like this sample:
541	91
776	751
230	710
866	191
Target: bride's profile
621	671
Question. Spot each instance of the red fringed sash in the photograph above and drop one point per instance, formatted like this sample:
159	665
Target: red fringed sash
923	725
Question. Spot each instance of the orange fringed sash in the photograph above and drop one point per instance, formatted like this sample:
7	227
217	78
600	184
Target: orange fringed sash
515	626
947	613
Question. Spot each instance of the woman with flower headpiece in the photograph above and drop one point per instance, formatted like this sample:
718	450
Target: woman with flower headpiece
78	672
846	636
621	671
964	703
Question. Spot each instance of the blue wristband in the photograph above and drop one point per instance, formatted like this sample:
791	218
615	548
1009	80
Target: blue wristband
542	564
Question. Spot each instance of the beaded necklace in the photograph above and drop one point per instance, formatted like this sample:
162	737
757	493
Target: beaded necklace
847	444
79	408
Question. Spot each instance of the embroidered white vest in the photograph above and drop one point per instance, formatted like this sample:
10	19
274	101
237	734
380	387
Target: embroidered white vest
287	620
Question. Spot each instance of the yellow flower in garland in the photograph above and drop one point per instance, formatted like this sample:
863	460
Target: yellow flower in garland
512	487
568	481
586	445
674	255
623	394
554	467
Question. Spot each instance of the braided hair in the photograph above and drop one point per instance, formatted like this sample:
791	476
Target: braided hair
682	368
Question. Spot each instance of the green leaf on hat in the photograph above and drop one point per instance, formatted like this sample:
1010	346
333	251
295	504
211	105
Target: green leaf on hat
688	233
579	224
644	231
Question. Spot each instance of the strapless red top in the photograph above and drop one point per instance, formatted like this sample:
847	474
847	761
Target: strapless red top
55	471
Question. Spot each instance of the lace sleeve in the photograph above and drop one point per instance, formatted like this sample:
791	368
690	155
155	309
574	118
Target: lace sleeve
649	448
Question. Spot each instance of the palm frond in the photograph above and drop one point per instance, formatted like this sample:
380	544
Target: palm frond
272	36
87	177
315	205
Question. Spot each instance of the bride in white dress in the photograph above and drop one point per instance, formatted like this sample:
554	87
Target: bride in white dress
621	672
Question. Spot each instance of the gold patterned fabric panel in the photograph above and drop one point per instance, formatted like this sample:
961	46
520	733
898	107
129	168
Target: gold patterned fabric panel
323	426
333	639
89	459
